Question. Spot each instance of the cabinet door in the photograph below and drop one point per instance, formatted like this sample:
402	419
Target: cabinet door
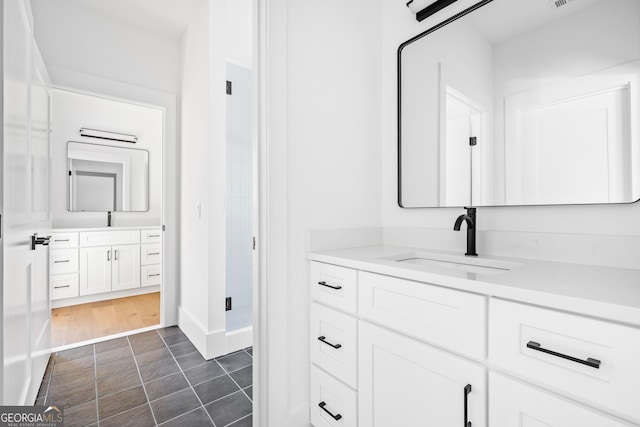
125	267
95	270
515	404
403	382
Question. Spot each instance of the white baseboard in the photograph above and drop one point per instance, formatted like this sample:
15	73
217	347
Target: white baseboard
85	299
209	344
239	339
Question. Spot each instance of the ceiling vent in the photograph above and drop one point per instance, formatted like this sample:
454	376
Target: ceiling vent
554	4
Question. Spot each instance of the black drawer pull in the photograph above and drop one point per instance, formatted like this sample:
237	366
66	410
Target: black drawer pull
154	275
60	240
60	287
153	253
323	283
467	390
335	417
58	262
323	339
153	235
594	363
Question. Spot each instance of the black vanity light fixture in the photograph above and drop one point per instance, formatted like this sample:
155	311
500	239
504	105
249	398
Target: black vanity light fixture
112	136
425	8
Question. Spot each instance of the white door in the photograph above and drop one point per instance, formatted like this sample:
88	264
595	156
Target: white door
125	267
403	382
95	270
515	404
25	204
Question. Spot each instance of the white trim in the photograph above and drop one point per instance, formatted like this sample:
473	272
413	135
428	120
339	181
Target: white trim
85	299
105	338
239	339
210	344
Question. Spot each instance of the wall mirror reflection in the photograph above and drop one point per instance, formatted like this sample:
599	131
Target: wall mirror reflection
105	178
522	102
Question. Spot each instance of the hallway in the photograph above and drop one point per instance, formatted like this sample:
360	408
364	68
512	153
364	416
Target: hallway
149	379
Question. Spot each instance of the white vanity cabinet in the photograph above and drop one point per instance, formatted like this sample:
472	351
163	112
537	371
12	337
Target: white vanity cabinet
404	382
102	263
63	265
109	268
438	354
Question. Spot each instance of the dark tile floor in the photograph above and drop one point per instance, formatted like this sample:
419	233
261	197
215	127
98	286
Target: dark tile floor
149	379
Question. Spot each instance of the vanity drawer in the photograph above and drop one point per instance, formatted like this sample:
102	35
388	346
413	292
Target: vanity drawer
64	240
64	261
331	329
64	286
612	351
150	253
108	238
335	399
334	286
441	316
151	236
150	275
513	403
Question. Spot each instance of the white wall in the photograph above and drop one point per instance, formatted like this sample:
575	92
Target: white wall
240	32
323	165
73	37
399	25
73	110
203	181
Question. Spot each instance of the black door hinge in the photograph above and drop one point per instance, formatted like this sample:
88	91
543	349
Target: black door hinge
229	87
473	141
227	304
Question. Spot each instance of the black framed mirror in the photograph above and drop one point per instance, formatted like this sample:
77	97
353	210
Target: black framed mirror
522	102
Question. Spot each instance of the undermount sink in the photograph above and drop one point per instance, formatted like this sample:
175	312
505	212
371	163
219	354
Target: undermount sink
455	262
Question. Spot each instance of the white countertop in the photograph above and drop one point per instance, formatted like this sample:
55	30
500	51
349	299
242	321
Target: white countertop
604	292
73	230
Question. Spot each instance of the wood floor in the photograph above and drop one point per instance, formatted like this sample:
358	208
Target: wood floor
83	322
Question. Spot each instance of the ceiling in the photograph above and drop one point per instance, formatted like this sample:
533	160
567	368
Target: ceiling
166	17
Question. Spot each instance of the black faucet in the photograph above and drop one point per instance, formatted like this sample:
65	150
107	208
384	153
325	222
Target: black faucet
470	218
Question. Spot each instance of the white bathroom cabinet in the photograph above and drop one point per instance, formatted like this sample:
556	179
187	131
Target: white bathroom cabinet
104	263
404	382
409	349
109	268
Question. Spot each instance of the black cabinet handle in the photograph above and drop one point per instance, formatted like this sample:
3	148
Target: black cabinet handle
594	363
323	283
335	417
467	390
59	261
323	339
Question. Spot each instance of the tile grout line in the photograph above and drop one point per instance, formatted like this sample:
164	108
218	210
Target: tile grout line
236	383
144	389
193	410
95	383
187	380
239	419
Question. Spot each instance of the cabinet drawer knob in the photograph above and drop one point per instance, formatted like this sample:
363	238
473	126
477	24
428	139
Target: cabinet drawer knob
323	339
594	363
467	390
322	406
323	283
